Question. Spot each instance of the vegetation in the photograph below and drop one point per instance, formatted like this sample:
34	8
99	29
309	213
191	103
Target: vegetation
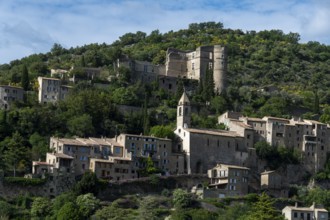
269	73
276	156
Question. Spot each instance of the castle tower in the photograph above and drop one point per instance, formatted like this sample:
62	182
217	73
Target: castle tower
219	68
183	117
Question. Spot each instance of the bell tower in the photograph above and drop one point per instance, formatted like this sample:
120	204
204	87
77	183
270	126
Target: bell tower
183	116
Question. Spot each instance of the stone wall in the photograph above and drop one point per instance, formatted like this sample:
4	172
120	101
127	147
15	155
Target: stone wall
146	185
51	188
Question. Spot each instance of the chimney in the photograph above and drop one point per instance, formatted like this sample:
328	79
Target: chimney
296	204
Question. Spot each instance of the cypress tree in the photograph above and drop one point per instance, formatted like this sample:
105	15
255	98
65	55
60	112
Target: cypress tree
25	82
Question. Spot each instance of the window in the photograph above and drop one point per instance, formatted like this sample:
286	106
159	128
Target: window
210	65
295	214
117	150
192	66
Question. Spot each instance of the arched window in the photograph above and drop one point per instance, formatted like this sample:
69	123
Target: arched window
180	111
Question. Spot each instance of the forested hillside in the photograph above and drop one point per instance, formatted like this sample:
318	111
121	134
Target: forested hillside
269	73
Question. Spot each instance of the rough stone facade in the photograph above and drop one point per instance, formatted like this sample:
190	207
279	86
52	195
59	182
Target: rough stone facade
191	65
308	137
10	94
51	90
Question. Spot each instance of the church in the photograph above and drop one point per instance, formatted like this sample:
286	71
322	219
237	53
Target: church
205	148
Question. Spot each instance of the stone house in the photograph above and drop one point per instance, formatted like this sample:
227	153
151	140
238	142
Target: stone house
274	184
305	136
229	180
51	90
10	94
158	149
115	168
305	213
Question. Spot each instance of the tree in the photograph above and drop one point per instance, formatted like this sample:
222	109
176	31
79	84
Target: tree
264	210
162	131
87	204
88	184
181	198
40	208
81	125
263	149
69	211
15	152
39	146
25	81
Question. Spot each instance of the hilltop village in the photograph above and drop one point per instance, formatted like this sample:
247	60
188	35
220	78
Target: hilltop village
236	154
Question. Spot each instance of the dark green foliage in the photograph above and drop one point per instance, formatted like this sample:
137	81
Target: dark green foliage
69	211
40	208
6	209
193	214
21	181
162	131
181	198
153	208
15	152
264	209
60	201
276	156
87	204
88	184
115	212
25	81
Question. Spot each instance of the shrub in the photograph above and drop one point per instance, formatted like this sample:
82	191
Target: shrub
21	181
181	198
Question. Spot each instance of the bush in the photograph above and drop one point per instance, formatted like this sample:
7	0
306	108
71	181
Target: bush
21	181
40	207
68	211
166	192
181	198
88	184
6	210
87	204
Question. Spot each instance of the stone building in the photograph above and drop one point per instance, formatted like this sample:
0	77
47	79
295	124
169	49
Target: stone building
111	158
191	65
160	150
145	71
51	90
229	180
305	213
204	148
195	64
308	137
10	94
274	184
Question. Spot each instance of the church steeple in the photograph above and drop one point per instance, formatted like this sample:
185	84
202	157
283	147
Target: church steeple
183	112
